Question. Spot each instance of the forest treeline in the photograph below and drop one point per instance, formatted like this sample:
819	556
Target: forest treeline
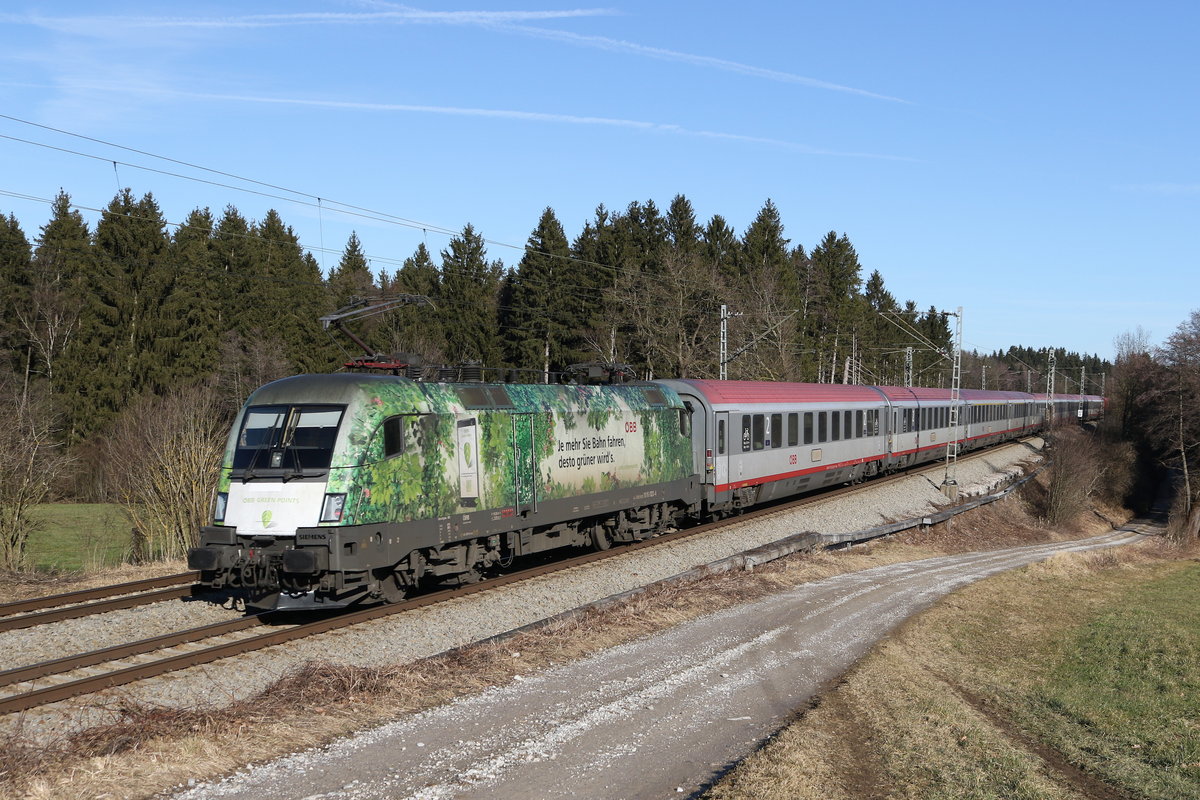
106	315
99	320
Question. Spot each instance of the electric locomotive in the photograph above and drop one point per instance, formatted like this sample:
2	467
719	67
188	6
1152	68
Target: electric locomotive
336	489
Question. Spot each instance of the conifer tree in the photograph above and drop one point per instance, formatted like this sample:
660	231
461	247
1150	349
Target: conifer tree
765	252
722	250
879	335
117	354
837	277
603	258
417	328
469	299
293	296
352	276
61	266
768	331
677	322
543	301
197	300
233	260
15	256
642	233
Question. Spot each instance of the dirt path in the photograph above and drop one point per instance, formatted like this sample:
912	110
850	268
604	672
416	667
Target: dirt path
656	718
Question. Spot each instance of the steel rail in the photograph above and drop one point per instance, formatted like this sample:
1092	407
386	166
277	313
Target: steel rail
96	607
83	595
58	666
127	675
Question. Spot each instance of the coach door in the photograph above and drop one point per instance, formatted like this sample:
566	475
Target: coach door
720	450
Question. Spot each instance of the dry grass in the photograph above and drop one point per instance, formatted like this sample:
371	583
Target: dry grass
145	749
922	716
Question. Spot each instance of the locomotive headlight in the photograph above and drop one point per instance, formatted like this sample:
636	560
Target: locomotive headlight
219	506
332	508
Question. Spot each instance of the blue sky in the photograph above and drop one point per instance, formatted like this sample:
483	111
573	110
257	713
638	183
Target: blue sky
1035	163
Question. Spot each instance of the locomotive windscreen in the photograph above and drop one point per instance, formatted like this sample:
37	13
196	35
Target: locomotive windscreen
288	438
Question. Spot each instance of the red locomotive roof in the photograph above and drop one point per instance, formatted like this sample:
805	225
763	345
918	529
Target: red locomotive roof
721	392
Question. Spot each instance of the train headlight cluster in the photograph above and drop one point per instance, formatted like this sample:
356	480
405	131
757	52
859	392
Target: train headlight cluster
332	508
219	507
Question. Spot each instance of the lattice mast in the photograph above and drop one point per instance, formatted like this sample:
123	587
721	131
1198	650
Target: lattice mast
951	478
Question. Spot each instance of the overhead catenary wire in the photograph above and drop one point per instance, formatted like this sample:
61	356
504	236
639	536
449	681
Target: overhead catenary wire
348	209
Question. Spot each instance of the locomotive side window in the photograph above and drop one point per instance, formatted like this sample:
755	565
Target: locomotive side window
808	427
721	437
776	430
760	431
393	437
793	430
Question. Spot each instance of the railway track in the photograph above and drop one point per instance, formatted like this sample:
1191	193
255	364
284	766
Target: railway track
24	688
85	602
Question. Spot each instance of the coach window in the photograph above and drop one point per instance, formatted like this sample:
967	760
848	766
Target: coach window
776	430
860	423
822	426
759	431
745	432
720	437
793	430
808	427
847	424
835	425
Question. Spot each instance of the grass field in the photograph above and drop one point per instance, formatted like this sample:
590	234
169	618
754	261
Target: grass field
1123	696
1068	679
75	537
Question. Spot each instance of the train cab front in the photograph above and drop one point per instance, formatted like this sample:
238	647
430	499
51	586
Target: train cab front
269	543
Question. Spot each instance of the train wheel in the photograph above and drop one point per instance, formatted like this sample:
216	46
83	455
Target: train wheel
390	587
600	538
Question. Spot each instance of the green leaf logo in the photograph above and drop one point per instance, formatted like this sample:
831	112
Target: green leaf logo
266	518
467	453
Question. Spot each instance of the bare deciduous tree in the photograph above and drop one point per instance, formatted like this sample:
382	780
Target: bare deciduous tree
30	460
164	454
248	362
1076	475
49	320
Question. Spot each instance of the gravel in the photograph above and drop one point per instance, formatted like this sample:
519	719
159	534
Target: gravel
428	631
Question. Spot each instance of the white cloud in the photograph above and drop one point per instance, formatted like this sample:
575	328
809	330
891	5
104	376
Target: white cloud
616	45
501	21
528	116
